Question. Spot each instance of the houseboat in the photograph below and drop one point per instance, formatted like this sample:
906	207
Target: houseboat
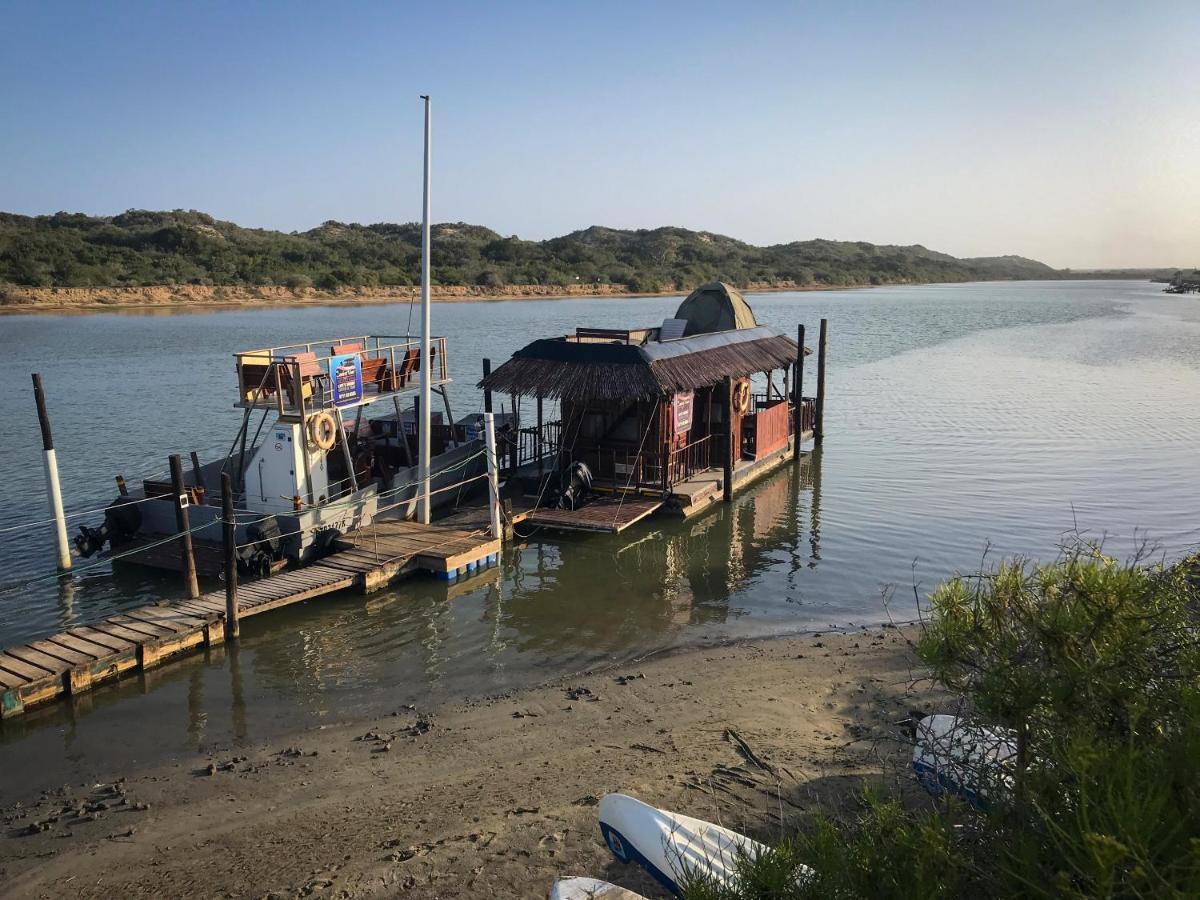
664	418
312	460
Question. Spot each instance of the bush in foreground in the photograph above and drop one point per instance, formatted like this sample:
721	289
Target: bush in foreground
1094	666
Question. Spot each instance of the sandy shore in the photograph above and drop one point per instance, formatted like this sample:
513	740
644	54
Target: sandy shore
487	798
23	300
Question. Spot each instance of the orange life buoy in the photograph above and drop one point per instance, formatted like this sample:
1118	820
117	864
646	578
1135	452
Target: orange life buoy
741	397
322	430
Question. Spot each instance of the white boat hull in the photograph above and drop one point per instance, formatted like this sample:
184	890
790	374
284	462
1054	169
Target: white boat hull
953	756
669	846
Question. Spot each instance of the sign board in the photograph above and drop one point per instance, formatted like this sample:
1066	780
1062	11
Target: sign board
681	407
345	374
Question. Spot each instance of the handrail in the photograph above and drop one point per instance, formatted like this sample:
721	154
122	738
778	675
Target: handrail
303	374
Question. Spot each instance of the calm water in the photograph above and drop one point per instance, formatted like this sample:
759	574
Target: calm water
960	417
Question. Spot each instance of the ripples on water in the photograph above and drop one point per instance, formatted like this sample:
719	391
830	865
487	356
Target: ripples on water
960	417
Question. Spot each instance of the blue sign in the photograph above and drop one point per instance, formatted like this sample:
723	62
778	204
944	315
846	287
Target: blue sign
345	374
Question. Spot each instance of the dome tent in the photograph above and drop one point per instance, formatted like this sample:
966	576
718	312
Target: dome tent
715	306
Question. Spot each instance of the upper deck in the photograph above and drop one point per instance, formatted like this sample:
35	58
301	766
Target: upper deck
339	373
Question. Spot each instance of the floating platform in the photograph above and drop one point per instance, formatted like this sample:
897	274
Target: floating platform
75	660
606	514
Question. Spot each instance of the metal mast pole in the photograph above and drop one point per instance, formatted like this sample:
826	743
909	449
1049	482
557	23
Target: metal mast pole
423	435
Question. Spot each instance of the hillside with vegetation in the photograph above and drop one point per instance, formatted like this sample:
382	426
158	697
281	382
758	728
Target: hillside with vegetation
141	248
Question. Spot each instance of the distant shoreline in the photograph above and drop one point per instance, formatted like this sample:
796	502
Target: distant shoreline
23	300
16	299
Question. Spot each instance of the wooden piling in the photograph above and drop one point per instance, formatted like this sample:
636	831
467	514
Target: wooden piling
798	391
229	546
197	475
493	474
185	532
731	447
122	489
53	489
819	425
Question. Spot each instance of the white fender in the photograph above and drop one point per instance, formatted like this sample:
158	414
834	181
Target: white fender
971	761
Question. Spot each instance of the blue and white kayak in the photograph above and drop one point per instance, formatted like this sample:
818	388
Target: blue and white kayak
590	889
953	756
669	846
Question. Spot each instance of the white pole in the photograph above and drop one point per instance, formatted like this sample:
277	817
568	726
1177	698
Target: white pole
62	545
56	510
493	465
423	442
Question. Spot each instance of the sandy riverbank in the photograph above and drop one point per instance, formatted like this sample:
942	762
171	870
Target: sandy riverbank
488	798
24	300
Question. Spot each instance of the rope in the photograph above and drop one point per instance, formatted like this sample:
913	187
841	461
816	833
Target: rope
629	481
75	515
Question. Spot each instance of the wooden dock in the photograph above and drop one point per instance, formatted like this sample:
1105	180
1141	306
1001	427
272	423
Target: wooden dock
83	656
610	514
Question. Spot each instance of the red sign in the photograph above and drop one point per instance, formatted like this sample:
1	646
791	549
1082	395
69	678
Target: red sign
681	407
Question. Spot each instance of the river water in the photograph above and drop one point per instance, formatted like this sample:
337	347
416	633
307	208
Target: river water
962	420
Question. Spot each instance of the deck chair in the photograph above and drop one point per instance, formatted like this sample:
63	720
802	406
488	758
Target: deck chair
310	375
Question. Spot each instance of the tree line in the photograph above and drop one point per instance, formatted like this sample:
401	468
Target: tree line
145	248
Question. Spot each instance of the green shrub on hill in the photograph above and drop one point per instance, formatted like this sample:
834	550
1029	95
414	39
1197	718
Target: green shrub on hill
142	248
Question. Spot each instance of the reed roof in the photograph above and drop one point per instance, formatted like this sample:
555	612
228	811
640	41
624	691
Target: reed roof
571	369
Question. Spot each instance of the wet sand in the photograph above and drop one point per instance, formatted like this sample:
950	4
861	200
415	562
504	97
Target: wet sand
486	798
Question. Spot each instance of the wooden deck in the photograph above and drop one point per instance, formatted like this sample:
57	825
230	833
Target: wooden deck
610	514
75	660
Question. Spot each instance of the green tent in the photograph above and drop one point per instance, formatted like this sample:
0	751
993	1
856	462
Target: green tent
715	306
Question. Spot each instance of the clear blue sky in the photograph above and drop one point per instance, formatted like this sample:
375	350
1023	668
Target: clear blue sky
1065	131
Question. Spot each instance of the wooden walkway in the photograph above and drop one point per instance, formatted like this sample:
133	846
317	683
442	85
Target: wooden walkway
75	660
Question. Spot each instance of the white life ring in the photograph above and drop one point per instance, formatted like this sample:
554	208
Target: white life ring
322	430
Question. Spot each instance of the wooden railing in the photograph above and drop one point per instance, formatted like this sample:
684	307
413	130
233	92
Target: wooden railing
695	457
532	445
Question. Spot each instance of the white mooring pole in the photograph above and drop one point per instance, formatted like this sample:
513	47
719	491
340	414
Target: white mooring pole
52	487
423	435
493	469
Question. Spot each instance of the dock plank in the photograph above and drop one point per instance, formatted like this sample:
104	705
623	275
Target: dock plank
66	654
19	667
53	665
113	642
80	645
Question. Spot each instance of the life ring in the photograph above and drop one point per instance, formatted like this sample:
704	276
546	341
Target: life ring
322	430
741	397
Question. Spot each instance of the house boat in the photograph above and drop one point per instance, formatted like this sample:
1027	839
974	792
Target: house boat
310	461
669	418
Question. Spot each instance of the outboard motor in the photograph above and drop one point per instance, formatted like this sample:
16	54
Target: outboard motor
122	520
576	482
263	546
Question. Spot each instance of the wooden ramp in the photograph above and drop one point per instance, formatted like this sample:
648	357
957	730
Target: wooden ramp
610	514
75	660
396	547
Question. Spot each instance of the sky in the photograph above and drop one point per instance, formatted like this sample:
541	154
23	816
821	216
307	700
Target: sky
1067	132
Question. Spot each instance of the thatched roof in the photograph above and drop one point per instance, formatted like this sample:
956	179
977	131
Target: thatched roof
565	368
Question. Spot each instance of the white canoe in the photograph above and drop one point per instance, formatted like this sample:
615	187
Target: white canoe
956	757
668	845
590	889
